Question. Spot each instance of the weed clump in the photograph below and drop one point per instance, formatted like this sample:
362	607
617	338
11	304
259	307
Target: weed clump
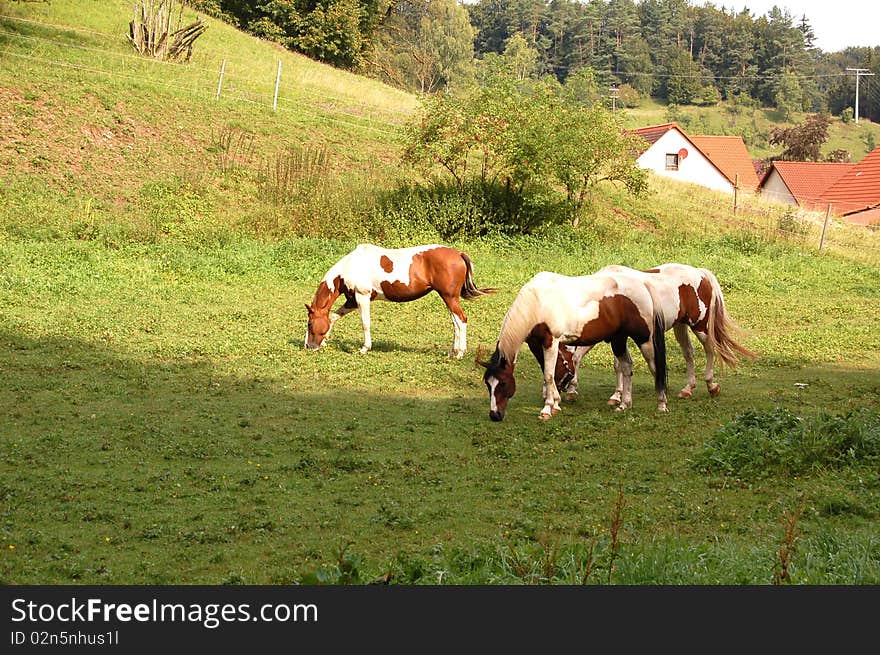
762	444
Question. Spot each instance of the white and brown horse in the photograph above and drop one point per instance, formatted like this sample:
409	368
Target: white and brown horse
552	310
369	272
691	300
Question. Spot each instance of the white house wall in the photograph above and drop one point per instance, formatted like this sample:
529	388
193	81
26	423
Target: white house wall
775	189
694	168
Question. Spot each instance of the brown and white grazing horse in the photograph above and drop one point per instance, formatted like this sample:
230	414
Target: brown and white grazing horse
690	298
552	310
369	272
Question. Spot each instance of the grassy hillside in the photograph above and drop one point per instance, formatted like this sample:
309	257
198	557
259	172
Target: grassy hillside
95	132
160	421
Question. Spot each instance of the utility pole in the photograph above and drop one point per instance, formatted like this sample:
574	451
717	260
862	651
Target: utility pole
859	72
614	95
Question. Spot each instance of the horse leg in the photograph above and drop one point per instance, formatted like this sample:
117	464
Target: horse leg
551	393
618	390
623	364
687	349
347	308
647	349
459	326
713	387
363	305
571	390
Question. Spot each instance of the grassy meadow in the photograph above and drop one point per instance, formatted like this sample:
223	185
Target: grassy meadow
161	423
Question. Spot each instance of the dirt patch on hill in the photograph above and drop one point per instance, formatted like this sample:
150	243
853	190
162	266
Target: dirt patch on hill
83	143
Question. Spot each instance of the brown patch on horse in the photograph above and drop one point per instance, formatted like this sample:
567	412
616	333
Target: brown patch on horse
564	372
617	315
540	338
541	335
324	297
399	292
689	305
386	264
652	270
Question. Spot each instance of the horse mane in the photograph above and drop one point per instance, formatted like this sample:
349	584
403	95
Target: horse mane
518	322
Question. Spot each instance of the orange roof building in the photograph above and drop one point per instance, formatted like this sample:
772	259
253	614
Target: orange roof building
718	162
801	183
859	189
730	155
851	190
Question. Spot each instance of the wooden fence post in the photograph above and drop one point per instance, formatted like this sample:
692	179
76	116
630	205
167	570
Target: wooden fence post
277	81
220	80
825	227
735	192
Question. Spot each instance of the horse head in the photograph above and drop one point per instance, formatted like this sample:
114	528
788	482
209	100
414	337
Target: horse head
318	327
500	382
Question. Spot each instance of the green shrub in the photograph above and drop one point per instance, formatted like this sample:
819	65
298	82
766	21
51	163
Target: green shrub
763	444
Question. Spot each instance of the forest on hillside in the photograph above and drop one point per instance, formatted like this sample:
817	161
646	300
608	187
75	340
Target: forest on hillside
672	50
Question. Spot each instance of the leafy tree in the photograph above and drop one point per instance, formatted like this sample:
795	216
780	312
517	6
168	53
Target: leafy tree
683	85
425	45
525	139
802	142
585	146
331	33
521	58
788	95
583	87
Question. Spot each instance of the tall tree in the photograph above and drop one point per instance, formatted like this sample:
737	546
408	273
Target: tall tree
802	142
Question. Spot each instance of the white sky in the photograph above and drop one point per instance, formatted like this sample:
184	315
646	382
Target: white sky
836	23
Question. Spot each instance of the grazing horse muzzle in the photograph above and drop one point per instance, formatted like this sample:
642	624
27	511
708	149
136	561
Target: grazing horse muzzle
495	415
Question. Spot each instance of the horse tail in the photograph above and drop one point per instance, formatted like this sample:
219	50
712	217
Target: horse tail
721	327
469	289
658	340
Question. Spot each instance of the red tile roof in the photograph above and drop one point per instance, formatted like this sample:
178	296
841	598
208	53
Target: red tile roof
859	188
808	180
729	154
652	133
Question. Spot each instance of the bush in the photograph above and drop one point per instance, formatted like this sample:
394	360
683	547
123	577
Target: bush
758	445
474	210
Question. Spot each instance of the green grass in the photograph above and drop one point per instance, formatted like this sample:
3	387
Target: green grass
160	421
164	425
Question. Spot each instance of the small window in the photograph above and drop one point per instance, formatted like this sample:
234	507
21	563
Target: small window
672	161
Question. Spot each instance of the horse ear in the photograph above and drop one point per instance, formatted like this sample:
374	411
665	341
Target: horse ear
479	355
309	309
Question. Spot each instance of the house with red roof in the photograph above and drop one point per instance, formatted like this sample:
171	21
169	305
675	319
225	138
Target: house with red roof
856	195
717	162
801	183
851	190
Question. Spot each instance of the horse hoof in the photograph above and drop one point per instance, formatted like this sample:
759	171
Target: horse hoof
714	390
620	408
662	408
571	395
556	410
613	402
685	393
364	350
544	417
